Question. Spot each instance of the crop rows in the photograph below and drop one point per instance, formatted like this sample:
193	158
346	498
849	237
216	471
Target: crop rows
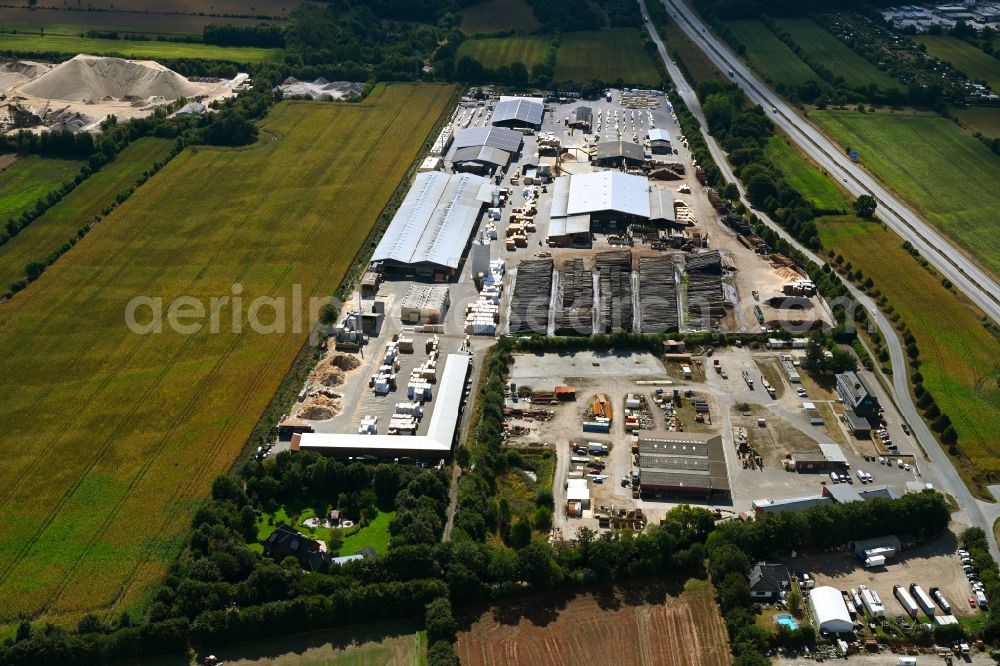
121	433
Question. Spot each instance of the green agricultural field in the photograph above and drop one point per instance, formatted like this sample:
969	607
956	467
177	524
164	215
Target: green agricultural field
812	183
495	52
985	119
78	208
959	356
29	179
964	57
66	22
121	429
947	174
496	15
821	45
770	56
605	55
72	45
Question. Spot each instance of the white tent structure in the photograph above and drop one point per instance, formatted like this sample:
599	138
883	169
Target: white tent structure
830	611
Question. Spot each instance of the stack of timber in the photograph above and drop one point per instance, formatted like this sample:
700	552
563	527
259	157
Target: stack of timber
576	308
657	295
706	304
529	308
615	288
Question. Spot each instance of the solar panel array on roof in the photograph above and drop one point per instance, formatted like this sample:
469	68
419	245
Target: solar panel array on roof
519	109
435	220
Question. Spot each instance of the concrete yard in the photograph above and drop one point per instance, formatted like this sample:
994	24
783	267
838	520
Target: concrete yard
933	564
787	430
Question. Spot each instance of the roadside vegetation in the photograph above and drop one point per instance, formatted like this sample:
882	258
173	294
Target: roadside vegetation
77	536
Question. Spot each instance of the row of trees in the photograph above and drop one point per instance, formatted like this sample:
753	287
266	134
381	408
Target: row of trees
264	35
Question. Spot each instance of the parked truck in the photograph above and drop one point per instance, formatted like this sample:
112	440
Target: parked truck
906	601
941	601
597	449
923	600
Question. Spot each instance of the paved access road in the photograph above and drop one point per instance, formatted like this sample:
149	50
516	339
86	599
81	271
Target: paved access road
938	468
946	257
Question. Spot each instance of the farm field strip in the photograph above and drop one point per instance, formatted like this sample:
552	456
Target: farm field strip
134	49
985	119
605	55
126	423
77	209
770	56
958	354
496	15
825	48
964	57
29	179
810	182
686	630
948	175
72	22
495	52
223	8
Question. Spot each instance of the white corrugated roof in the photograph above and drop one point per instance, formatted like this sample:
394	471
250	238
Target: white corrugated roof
830	610
435	220
525	109
609	190
659	134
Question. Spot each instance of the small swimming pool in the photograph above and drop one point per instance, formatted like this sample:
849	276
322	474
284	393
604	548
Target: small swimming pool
788	621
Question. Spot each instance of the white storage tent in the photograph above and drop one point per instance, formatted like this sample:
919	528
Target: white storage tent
830	611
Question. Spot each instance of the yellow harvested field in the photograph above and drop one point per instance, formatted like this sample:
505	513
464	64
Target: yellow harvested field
114	435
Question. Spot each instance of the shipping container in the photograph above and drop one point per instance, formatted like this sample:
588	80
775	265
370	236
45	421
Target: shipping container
923	600
906	601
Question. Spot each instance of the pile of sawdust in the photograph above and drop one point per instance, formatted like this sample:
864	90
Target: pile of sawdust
86	77
786	273
332	369
320	408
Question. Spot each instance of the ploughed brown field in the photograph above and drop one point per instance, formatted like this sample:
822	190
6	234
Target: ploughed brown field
646	623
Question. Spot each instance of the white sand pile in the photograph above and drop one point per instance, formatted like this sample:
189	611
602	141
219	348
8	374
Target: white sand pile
320	408
92	78
18	72
331	370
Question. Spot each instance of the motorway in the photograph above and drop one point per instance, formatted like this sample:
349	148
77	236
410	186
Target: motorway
946	257
938	469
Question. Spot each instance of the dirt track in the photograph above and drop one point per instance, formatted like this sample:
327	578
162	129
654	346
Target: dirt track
643	624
